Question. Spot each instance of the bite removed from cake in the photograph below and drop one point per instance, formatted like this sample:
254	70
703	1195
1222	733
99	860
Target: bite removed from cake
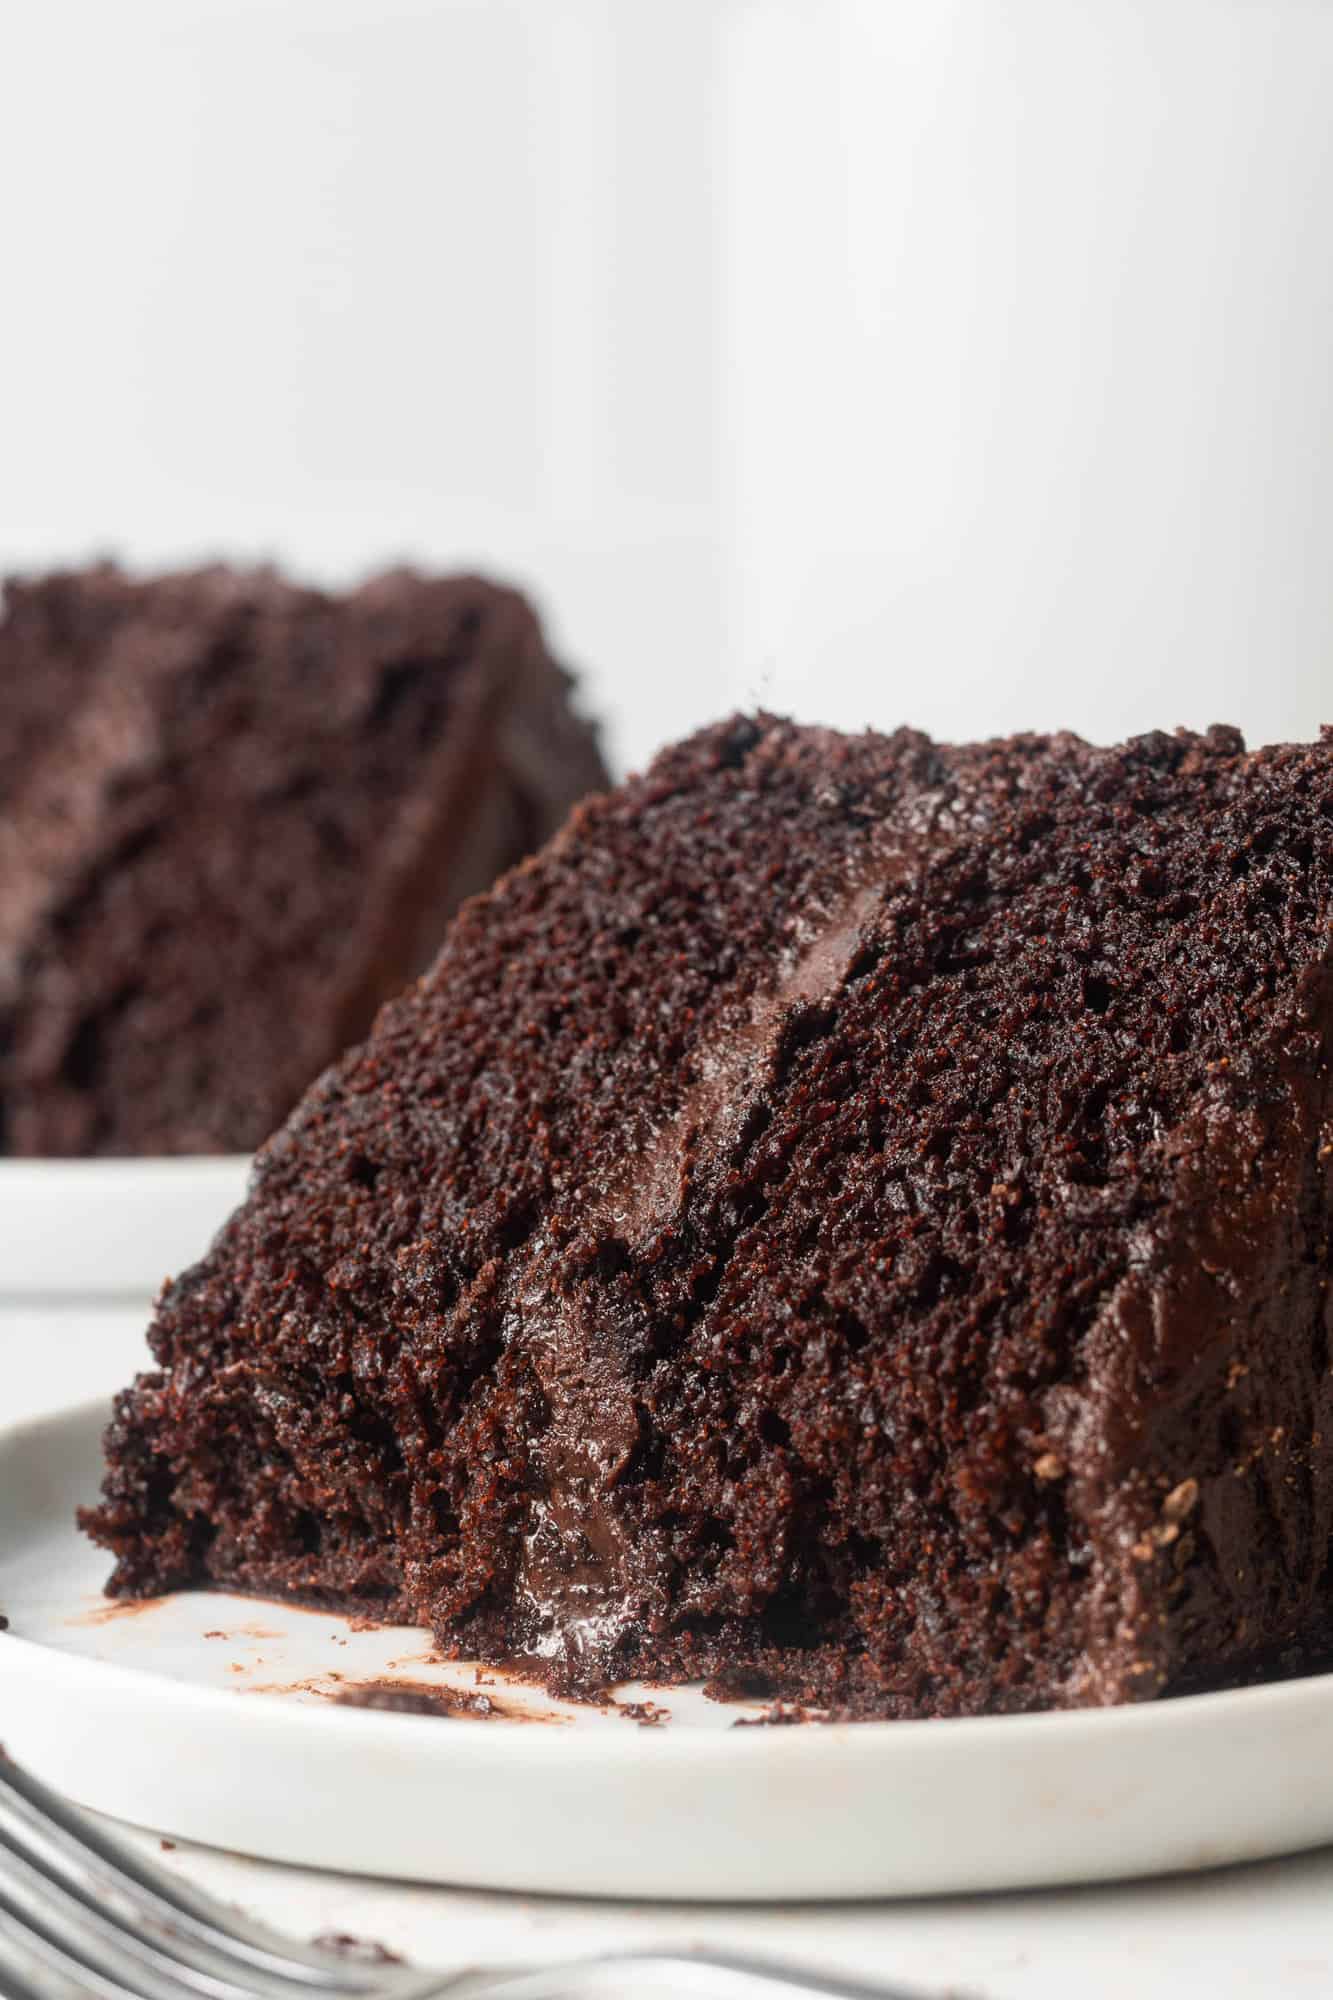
235	815
850	1217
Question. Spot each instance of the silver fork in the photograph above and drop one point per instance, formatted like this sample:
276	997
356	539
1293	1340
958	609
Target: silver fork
82	1917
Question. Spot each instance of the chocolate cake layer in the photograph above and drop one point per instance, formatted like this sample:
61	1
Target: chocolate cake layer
851	1216
236	815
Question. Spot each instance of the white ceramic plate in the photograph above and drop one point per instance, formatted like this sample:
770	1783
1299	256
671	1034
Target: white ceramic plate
215	1718
109	1228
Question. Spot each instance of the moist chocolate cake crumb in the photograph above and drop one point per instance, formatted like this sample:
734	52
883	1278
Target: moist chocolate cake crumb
782	1715
427	1698
235	815
647	1714
737	1683
851	1216
406	1701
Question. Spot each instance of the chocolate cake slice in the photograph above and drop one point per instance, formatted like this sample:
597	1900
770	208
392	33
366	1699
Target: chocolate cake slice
234	816
53	629
851	1216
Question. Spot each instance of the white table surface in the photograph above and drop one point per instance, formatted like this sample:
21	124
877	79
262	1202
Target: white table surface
1257	1930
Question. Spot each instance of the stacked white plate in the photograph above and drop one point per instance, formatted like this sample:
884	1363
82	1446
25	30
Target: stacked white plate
109	1229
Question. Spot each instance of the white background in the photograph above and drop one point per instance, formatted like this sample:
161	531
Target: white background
960	361
947	360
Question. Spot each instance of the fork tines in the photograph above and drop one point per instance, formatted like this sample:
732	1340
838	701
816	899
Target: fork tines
84	1918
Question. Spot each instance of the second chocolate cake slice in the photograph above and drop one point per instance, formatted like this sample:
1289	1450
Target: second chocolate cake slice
236	814
851	1215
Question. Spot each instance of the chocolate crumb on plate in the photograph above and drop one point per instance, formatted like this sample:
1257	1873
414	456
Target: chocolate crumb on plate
362	1951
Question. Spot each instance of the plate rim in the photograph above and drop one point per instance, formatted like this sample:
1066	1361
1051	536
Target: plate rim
134	1220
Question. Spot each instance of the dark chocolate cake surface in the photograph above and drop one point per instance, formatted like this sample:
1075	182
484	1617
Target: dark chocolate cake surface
235	815
850	1217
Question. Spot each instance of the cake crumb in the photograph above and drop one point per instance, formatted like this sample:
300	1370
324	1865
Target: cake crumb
781	1715
648	1714
1181	1500
362	1951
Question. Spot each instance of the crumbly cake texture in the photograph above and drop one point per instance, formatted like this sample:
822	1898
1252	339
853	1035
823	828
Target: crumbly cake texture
851	1217
234	816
